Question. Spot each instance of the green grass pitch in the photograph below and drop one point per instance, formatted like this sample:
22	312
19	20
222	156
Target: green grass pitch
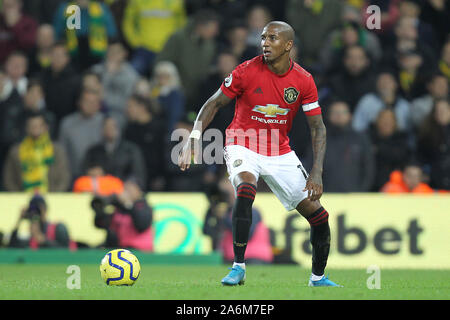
189	282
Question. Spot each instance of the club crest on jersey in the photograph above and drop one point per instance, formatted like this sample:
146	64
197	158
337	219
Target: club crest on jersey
290	94
237	163
271	110
228	80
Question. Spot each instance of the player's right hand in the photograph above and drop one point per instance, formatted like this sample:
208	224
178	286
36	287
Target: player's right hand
187	155
314	186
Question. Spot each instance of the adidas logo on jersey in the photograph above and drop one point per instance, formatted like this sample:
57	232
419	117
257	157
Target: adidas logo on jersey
258	90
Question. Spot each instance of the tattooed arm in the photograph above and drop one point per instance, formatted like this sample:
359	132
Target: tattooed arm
204	118
319	135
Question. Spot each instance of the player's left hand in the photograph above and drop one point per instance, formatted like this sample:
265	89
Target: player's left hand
314	186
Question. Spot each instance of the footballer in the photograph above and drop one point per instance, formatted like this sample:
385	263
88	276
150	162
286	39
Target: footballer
269	90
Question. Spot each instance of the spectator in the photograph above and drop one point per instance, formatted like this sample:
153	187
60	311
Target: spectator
61	84
43	234
165	88
437	14
312	21
192	50
17	30
386	96
97	182
349	162
218	226
88	43
412	9
438	88
146	130
41	10
391	147
130	225
349	34
14	87
434	144
15	83
121	158
412	74
34	101
91	81
444	62
258	17
410	180
143	88
226	62
405	38
41	55
147	25
356	79
118	78
36	163
81	130
236	41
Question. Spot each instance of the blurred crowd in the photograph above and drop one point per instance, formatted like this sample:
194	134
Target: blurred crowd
87	107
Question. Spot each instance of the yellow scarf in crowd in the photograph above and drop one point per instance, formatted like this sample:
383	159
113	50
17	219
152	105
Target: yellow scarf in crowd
35	157
97	33
445	69
406	80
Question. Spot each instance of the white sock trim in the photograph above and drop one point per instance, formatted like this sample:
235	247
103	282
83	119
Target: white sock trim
316	278
242	265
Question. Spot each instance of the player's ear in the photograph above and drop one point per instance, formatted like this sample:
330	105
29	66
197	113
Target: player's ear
289	45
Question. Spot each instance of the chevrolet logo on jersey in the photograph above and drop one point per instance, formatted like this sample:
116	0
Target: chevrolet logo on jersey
271	110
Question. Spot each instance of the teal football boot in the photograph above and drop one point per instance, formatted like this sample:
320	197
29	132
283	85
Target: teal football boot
324	282
236	276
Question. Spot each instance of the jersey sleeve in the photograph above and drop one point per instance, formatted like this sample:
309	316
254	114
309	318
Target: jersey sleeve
310	99
233	85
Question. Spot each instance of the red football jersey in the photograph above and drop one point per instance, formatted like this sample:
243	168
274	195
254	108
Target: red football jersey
266	104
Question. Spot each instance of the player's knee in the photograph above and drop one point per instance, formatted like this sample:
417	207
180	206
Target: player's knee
245	177
307	207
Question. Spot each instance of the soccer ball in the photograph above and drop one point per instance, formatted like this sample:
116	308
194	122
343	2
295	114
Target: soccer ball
120	267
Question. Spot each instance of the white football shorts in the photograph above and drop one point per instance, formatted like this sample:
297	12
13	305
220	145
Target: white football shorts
284	174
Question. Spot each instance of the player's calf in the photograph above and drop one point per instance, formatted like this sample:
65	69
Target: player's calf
320	240
242	219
